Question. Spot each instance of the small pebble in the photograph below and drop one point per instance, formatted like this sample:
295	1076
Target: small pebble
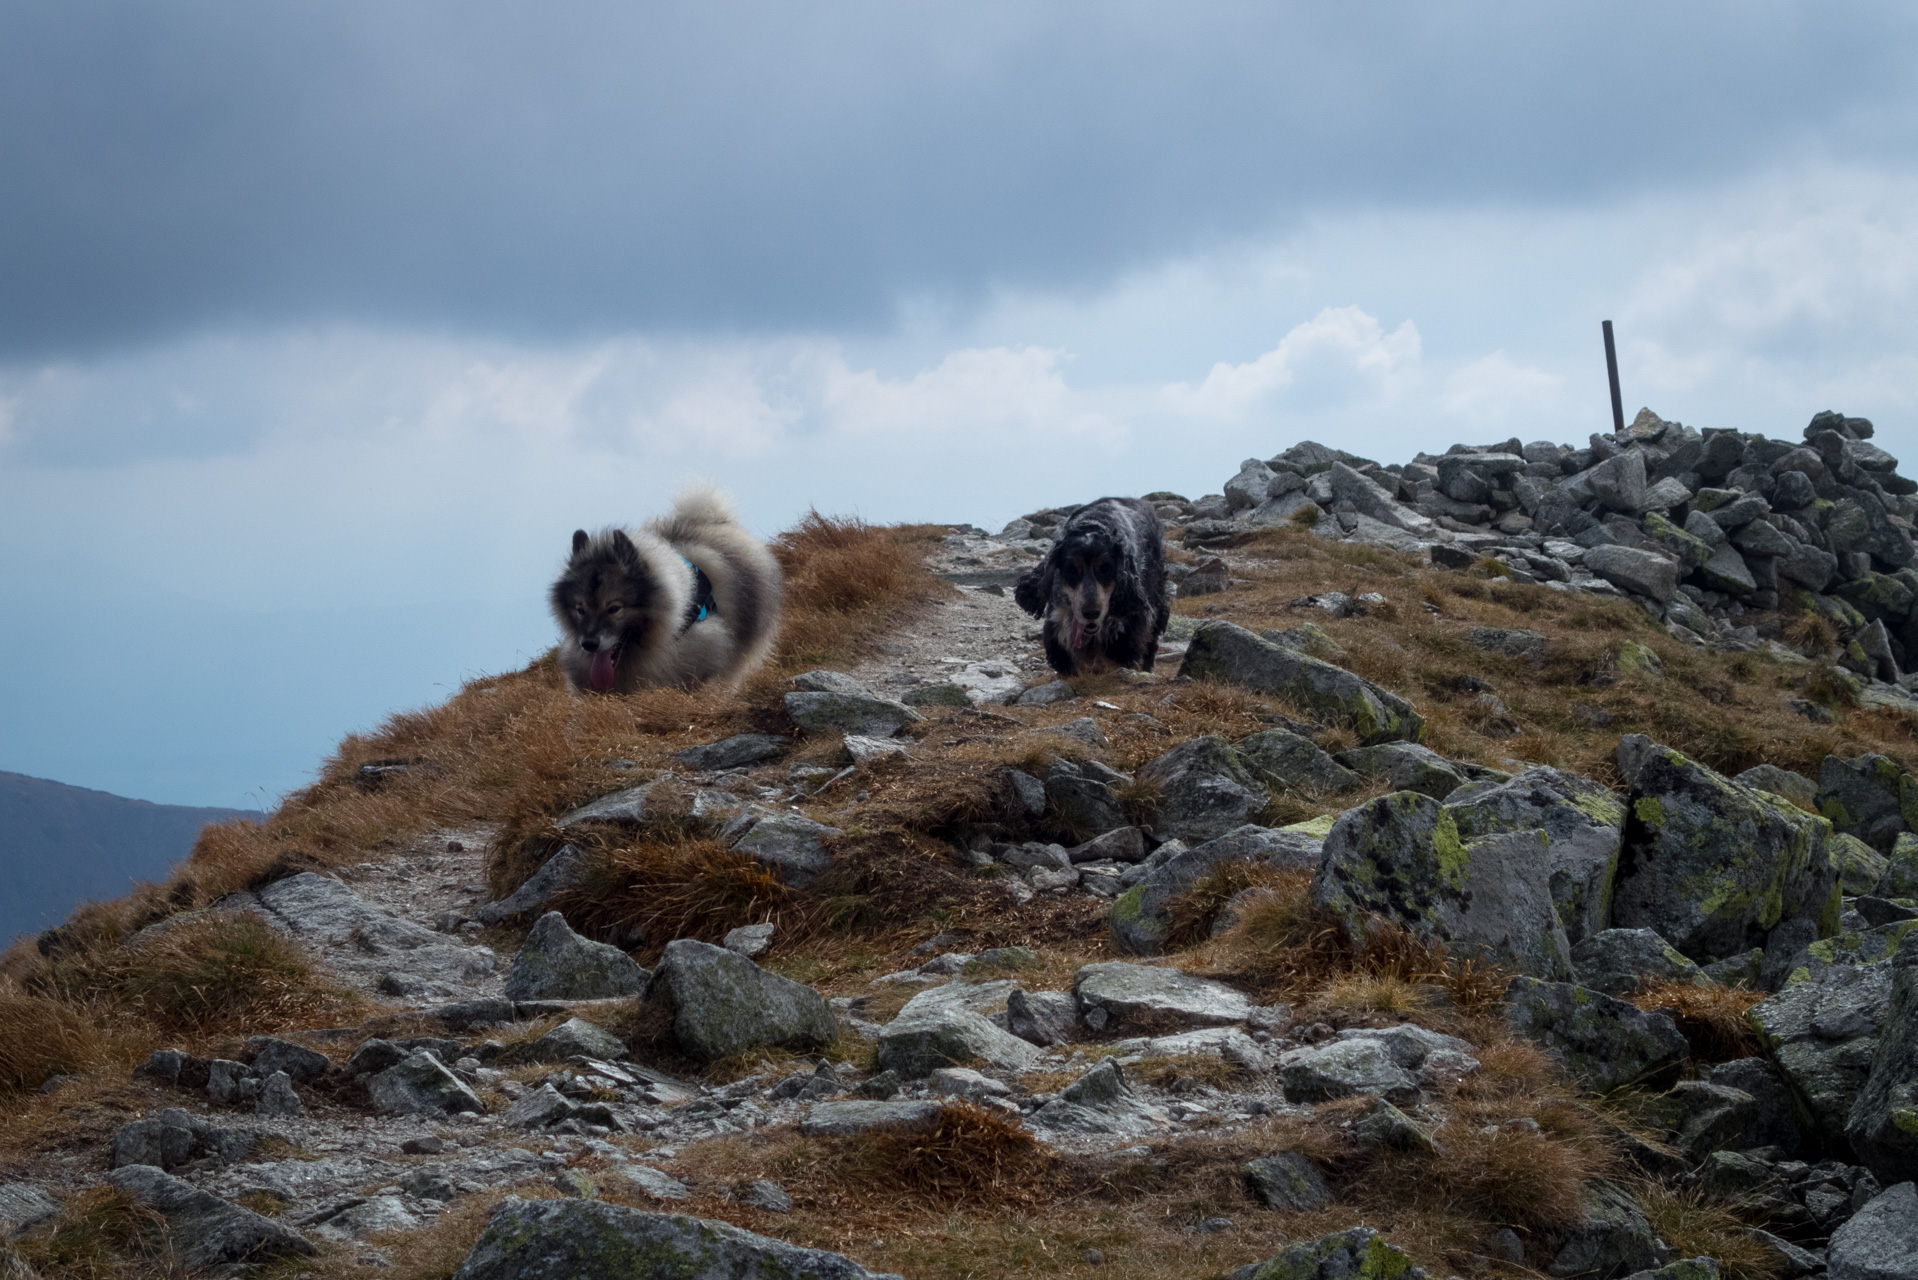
1094	1258
427	1146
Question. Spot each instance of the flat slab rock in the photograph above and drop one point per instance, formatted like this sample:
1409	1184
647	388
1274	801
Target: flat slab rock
1125	992
838	1119
367	941
209	1231
947	1026
567	1239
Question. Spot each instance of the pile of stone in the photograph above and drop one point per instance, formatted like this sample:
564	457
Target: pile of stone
1709	530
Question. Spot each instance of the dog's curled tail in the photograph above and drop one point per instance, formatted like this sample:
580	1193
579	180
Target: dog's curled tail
696	511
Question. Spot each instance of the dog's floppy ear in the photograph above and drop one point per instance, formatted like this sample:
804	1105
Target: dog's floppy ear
623	548
1034	589
579	541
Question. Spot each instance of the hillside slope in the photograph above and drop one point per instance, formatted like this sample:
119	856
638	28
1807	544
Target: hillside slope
1404	916
60	844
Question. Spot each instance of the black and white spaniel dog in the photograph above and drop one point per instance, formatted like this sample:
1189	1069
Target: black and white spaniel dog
1101	589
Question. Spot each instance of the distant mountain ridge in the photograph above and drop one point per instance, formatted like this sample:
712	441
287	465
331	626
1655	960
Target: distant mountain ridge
61	844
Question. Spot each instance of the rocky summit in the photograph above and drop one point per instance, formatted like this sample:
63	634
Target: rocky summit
1506	868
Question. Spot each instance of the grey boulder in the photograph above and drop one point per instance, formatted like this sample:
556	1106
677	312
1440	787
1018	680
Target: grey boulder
1401	857
576	1038
1601	1041
1204	790
735	752
1358	1254
208	1231
725	1004
842	1119
1619	961
1583	825
421	1085
1880	1242
1042	1017
1280	758
570	1238
949	1026
1287	1181
1644	573
1341	1069
791	844
1115	993
1822	1031
1611	1236
1883	1122
1406	766
563	871
554	963
1141	916
1222	651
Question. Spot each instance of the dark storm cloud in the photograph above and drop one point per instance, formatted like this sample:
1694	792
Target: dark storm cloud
567	167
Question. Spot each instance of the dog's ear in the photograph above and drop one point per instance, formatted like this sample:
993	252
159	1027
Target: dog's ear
579	541
1034	589
623	548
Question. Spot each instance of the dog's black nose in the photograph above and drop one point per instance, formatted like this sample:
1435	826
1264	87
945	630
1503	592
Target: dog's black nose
589	643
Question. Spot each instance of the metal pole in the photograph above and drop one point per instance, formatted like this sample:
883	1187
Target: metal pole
1611	370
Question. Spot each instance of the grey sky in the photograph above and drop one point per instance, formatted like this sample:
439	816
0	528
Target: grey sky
322	326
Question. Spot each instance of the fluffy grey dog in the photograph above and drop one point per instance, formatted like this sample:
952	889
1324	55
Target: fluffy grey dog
689	599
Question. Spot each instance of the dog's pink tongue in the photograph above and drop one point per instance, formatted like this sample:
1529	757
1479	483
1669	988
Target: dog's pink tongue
1078	633
602	674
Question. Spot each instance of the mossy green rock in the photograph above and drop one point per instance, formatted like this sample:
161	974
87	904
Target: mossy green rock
1712	866
1868	796
1822	1031
1583	824
1141	915
1402	858
574	1239
1204	790
1406	766
1602	1041
1287	1181
1282	759
725	1004
1691	551
1222	651
1358	1254
1619	961
1883	1122
1901	870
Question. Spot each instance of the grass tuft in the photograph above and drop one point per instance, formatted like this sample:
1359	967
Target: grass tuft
41	1038
973	1156
1716	1021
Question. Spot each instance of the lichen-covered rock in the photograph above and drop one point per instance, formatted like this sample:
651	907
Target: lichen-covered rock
1868	796
1407	766
791	844
1702	1117
1711	866
1082	800
1222	651
421	1085
1114	993
1281	758
736	751
1611	1236
554	963
1204	790
724	1004
1619	961
206	1230
1099	1101
571	1238
1795	787
948	1026
1583	824
1603	1042
1140	916
1860	867
1287	1181
1883	1122
1880	1241
1776	1123
1901	870
1042	1017
859	711
1342	1068
1849	947
1358	1254
576	1038
1401	857
1822	1031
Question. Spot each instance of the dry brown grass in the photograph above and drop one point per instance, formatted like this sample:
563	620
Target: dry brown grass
973	1157
1698	1227
1716	1021
40	1038
102	1235
677	888
846	581
223	971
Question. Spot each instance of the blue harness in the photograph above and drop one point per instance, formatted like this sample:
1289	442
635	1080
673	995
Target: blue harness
702	602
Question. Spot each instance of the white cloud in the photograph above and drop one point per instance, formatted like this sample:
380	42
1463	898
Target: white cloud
1337	338
1496	390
